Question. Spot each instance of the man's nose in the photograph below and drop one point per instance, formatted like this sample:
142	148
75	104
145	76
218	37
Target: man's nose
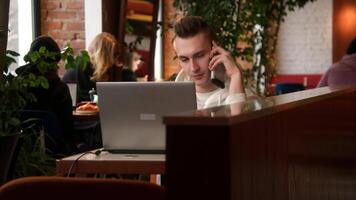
193	65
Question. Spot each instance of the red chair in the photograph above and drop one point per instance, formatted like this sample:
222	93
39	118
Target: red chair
60	188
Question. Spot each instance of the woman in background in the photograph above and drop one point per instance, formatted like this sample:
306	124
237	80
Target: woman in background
105	66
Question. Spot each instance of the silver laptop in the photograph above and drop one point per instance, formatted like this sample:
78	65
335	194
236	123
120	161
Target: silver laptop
73	92
131	113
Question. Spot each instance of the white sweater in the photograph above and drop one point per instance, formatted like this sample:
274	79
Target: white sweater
216	97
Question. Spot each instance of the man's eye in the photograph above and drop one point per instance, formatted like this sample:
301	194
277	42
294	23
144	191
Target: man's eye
183	59
200	55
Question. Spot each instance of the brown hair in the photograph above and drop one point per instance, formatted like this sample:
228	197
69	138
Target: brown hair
190	26
352	47
104	54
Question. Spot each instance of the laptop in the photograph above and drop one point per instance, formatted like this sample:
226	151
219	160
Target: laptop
73	93
131	113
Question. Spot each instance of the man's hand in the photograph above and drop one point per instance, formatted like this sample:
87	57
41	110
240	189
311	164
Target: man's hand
220	56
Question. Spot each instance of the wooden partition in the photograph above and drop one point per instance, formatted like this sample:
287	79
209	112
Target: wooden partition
294	146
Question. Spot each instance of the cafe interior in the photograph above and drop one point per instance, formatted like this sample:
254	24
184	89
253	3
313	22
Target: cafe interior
69	130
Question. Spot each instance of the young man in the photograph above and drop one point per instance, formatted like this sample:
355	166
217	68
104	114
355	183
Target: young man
198	54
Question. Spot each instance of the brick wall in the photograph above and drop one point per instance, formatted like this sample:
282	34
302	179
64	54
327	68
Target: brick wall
64	21
305	40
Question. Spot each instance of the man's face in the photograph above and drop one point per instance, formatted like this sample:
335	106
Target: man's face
193	56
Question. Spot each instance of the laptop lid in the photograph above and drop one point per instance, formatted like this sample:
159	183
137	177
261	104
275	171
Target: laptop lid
131	112
73	92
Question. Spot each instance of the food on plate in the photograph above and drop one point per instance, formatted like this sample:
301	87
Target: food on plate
88	107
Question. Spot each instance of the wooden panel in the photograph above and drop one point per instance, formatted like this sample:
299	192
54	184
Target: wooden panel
301	149
113	17
207	161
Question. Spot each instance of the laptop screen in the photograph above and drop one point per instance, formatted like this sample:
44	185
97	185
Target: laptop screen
131	112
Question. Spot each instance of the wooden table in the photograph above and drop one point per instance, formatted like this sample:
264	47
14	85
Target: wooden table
86	117
108	163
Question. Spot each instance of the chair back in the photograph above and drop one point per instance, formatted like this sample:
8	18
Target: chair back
59	188
284	88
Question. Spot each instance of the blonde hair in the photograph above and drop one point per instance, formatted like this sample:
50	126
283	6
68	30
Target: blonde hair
104	53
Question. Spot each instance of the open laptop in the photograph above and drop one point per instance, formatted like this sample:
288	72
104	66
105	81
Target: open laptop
131	113
73	93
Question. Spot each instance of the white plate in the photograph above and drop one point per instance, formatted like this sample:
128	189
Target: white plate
85	112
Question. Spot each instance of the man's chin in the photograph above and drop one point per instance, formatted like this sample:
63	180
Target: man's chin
201	82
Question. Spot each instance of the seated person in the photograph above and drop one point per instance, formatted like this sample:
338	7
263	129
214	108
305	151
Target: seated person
343	72
56	98
105	66
198	54
133	61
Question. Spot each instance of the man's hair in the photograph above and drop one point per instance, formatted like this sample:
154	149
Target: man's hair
190	26
352	47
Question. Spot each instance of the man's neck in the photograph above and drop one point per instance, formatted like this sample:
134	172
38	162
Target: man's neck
206	88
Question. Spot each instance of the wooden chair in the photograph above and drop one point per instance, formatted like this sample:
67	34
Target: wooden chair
60	188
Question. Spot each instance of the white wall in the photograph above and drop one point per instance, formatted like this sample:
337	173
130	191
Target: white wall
93	20
305	40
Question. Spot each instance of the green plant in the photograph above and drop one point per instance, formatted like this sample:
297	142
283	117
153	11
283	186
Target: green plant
33	159
248	29
15	90
16	94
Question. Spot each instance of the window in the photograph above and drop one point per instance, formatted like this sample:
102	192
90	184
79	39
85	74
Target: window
21	27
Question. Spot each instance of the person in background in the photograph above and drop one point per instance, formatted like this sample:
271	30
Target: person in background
133	61
343	72
56	99
198	54
104	66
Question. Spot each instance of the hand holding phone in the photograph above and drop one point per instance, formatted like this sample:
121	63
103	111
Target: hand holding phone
214	79
223	58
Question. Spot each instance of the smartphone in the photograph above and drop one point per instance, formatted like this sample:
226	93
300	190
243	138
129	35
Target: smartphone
215	80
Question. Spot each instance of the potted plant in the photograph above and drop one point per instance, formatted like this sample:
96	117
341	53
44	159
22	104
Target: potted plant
15	93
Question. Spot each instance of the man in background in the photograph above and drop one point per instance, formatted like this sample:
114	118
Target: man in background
343	72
